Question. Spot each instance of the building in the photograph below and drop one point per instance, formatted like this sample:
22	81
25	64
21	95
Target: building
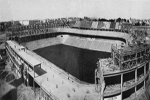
125	72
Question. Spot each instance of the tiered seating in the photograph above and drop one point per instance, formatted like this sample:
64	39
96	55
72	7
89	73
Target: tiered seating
88	44
104	46
54	41
48	42
100	45
117	25
72	23
107	25
86	24
77	24
75	41
112	25
94	25
108	46
41	43
94	44
82	43
32	45
68	41
78	42
83	24
89	24
100	25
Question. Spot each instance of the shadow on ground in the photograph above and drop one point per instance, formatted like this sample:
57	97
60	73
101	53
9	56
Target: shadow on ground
17	82
11	95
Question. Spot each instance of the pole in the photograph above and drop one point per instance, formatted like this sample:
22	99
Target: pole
99	80
33	80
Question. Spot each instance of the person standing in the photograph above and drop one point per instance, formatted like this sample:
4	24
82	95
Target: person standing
99	80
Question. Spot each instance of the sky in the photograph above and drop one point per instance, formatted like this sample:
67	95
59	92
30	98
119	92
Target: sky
42	9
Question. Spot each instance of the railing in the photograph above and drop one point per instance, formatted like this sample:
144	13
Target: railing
129	50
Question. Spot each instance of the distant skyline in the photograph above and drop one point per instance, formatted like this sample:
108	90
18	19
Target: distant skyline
42	9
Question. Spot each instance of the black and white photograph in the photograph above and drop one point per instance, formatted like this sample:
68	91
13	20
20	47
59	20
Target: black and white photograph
74	49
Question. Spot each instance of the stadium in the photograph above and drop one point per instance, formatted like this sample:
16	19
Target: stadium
60	57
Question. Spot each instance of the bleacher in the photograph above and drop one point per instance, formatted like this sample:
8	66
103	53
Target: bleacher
107	25
86	24
100	25
82	24
94	25
118	26
104	46
75	41
88	44
92	44
33	45
78	41
82	42
112	25
71	23
77	24
68	41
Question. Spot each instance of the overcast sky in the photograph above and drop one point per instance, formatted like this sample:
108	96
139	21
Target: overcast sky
41	9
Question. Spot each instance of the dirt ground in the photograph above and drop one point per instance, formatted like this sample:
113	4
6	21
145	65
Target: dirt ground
7	91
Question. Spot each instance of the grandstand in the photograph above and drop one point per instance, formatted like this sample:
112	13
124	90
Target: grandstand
107	25
41	43
94	44
91	44
85	24
100	25
68	51
94	25
80	42
112	25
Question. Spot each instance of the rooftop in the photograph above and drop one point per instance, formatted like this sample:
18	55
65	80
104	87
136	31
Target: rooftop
31	60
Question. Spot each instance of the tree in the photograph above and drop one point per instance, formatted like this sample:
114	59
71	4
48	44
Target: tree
124	20
118	20
111	20
137	24
143	23
25	93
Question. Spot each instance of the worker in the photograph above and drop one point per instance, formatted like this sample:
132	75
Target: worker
99	81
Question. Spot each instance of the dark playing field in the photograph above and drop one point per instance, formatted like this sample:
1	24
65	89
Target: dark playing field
80	63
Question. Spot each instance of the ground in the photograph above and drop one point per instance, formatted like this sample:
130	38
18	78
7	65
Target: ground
12	91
